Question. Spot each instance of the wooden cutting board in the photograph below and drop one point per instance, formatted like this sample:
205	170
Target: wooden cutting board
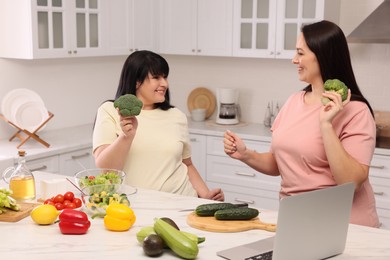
15	216
215	225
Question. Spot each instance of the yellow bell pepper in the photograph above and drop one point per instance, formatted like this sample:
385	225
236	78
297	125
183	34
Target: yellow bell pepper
119	217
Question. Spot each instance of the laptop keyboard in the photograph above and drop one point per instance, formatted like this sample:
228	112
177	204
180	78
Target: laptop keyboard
262	256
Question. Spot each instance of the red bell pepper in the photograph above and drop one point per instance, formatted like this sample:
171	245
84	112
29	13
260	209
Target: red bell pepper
73	221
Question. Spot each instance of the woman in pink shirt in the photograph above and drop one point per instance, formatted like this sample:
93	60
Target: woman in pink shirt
314	145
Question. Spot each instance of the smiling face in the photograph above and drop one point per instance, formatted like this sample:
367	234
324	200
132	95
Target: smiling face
152	91
306	61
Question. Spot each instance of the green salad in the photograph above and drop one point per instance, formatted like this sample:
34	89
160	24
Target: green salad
105	179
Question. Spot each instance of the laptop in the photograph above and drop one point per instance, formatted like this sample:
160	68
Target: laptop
310	225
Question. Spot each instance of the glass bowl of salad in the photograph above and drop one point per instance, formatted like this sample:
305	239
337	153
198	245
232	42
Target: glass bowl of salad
99	176
96	198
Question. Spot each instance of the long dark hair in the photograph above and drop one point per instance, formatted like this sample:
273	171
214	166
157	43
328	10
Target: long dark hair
327	41
136	69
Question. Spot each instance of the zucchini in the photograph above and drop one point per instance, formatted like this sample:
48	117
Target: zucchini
236	214
176	240
206	210
149	230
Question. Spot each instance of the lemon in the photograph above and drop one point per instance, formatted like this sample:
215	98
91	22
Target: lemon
44	214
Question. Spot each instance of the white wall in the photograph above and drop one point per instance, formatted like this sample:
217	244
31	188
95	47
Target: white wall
73	88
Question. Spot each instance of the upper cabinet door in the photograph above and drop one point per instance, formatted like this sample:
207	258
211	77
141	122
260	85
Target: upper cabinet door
269	28
215	27
254	28
291	16
66	28
131	26
51	28
178	27
196	27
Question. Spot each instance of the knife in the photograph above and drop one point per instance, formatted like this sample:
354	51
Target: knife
239	205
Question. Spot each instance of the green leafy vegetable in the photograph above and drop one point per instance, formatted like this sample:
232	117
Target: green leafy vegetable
129	105
335	85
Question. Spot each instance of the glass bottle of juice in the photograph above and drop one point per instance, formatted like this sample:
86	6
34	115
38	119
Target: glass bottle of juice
21	180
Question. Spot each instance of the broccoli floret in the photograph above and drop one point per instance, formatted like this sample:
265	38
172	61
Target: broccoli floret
336	86
129	105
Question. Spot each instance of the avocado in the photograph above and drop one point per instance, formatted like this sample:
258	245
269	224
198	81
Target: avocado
153	245
171	222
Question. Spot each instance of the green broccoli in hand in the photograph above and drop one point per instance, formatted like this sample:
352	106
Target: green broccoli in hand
129	105
335	85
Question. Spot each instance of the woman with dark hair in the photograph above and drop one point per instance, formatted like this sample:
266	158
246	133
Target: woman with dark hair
314	145
153	148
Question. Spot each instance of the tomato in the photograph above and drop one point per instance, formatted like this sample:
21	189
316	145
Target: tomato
69	196
77	202
91	177
59	206
49	202
59	198
66	203
71	205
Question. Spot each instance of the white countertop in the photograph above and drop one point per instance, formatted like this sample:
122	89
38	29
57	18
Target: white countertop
26	240
78	137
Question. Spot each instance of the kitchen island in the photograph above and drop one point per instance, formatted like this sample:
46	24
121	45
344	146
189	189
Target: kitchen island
27	240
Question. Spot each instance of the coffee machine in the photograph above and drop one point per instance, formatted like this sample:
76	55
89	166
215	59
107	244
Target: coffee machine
228	109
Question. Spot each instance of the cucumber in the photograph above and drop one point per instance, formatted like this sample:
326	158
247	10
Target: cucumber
206	210
236	214
176	240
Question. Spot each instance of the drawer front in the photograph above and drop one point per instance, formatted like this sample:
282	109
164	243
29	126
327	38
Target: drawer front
255	198
381	188
46	164
384	218
73	162
229	171
380	166
215	146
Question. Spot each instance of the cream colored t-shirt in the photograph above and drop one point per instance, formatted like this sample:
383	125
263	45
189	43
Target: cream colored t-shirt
154	160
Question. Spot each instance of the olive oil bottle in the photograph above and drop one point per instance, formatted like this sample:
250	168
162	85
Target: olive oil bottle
21	180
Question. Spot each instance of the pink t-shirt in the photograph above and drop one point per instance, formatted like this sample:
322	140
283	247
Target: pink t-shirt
299	151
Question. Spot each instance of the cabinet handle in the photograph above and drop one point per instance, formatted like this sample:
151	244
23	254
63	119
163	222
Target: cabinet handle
40	168
377	166
69	52
74	52
379	193
245	174
199	50
75	157
245	201
193	50
193	139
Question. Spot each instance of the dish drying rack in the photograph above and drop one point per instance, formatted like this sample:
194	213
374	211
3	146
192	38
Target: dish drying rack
24	135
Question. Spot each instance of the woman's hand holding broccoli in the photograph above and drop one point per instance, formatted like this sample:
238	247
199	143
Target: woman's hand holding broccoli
336	95
128	106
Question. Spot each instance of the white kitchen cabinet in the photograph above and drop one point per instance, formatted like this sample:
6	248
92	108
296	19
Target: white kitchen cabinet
196	27
240	182
380	181
198	150
75	161
45	164
269	28
33	29
131	26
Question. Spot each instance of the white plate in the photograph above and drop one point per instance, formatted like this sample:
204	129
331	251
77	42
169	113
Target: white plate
30	115
17	97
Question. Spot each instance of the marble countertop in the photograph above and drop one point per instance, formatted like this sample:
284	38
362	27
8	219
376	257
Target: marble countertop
26	240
